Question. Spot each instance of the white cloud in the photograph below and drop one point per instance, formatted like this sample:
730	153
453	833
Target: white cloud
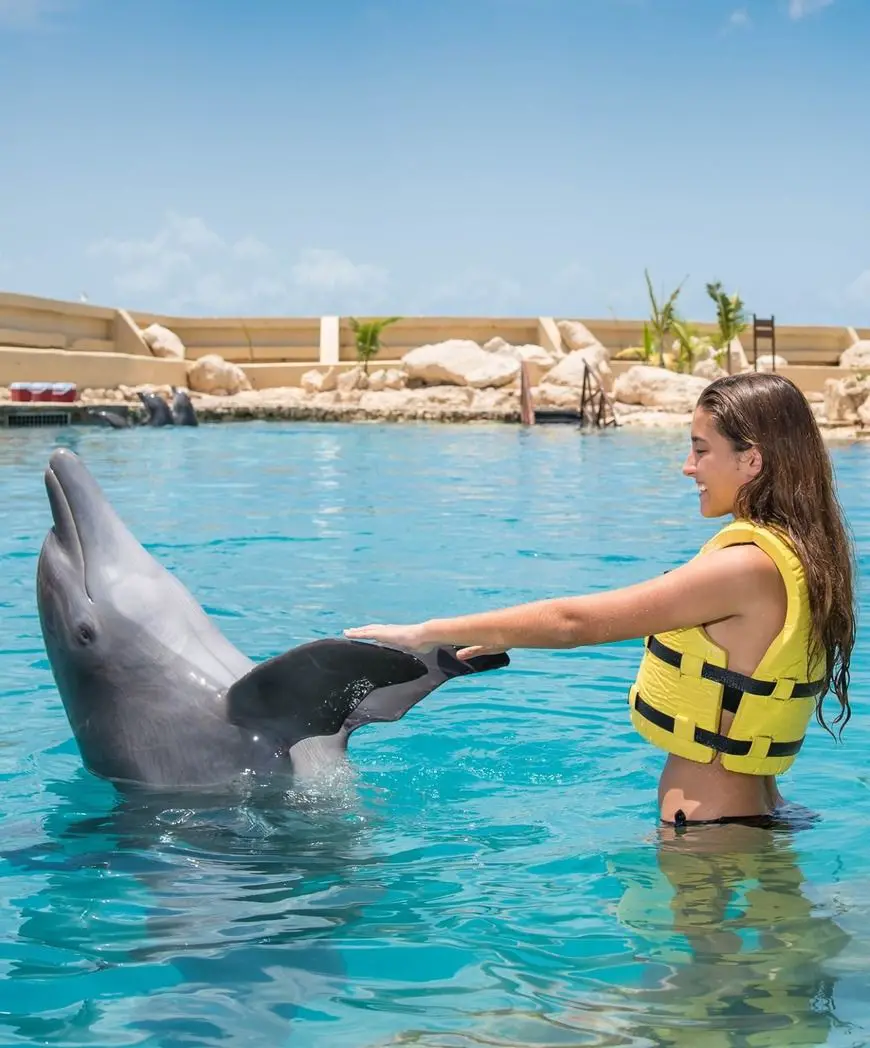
251	248
801	8
187	266
475	291
739	19
321	270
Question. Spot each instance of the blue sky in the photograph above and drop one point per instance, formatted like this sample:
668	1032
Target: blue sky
450	157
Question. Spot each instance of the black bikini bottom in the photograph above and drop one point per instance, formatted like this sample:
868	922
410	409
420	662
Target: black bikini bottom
762	821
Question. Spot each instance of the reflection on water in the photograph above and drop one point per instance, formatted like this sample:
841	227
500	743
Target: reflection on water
748	964
234	895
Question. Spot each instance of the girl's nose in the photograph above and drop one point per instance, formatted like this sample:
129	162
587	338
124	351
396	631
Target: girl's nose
689	465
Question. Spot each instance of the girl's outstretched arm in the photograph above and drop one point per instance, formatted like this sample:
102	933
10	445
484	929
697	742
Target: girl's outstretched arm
718	585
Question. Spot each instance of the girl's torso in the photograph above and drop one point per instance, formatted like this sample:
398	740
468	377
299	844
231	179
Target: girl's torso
708	791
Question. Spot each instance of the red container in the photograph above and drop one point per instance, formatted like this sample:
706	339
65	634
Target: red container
63	392
19	391
40	391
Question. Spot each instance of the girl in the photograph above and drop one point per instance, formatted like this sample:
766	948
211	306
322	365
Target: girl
741	643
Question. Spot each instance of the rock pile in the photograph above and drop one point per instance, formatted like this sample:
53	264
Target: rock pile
461	380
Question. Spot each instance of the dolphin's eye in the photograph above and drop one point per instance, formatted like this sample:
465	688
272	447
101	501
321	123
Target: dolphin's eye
85	633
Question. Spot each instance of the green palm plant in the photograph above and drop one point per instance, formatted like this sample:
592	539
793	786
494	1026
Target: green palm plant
368	337
648	348
661	322
688	344
731	318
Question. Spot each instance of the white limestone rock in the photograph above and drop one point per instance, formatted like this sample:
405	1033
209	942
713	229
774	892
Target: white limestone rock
548	395
739	361
495	344
349	394
353	378
502	399
376	380
395	378
538	360
213	374
316	381
845	398
384	402
459	362
576	335
163	343
857	355
659	388
767	362
708	369
649	419
443	396
569	370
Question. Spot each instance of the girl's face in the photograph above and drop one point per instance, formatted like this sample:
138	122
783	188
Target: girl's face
718	470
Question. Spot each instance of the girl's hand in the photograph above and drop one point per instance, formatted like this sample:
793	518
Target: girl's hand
411	637
478	649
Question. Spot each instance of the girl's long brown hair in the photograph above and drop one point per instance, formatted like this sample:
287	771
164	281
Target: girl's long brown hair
794	492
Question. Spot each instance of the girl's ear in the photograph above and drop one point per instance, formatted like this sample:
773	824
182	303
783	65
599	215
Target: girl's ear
753	461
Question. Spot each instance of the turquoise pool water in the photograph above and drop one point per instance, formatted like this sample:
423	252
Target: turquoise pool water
493	873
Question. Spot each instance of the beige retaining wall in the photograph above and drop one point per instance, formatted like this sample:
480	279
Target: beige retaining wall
94	370
45	339
43	323
244	339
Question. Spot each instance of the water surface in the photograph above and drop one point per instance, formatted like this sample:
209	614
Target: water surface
492	872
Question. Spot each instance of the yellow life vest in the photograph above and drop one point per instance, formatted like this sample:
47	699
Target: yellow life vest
683	682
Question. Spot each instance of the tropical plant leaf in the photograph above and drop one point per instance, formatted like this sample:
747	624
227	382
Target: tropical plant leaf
367	334
662	317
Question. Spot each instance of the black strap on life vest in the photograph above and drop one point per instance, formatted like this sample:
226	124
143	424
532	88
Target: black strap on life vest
735	685
720	743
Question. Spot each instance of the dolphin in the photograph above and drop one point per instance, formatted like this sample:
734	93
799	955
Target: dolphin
158	413
157	697
183	412
109	418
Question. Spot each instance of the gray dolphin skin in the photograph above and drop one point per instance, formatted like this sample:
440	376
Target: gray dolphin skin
183	411
157	410
109	418
157	697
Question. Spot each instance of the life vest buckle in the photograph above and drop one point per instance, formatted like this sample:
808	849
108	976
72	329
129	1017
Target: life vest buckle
760	747
784	688
691	666
684	728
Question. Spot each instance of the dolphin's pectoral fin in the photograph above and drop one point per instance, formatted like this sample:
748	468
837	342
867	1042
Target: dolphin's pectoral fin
319	688
393	701
311	690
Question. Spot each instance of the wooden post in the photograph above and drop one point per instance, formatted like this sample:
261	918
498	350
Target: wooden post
527	408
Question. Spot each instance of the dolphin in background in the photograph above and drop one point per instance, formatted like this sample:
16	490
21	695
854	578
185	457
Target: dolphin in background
157	411
183	411
156	696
